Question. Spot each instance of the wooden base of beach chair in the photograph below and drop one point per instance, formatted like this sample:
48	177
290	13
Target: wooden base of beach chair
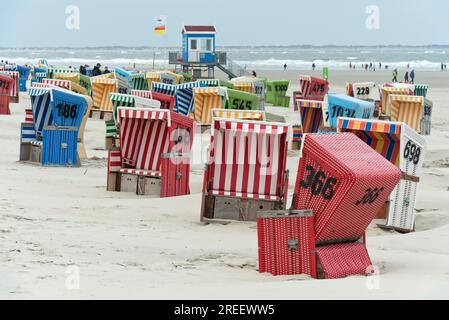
226	208
25	152
140	185
14	99
101	115
36	154
111	143
114	180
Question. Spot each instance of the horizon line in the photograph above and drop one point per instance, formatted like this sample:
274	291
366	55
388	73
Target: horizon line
237	46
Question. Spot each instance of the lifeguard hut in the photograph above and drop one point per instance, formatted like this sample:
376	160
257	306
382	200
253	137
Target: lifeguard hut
198	55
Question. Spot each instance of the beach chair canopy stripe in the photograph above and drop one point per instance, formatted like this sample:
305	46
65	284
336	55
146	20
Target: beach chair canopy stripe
41	106
164	88
65	84
138	81
184	97
40	76
382	136
408	109
101	88
243	86
386	91
239	115
247	159
143	137
311	114
421	90
142	93
72	76
205	100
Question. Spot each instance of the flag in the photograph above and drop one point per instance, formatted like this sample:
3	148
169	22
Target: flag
160	30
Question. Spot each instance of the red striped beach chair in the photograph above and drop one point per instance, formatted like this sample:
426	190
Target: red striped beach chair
14	89
312	88
341	185
154	153
246	171
167	101
6	82
404	148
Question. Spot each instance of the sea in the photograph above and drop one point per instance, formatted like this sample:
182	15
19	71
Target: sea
427	58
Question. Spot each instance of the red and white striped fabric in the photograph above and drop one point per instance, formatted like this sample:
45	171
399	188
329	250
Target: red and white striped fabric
143	137
114	161
142	93
14	91
343	260
29	116
65	84
313	88
247	159
146	173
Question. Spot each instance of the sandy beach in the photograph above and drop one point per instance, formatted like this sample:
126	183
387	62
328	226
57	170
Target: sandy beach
129	247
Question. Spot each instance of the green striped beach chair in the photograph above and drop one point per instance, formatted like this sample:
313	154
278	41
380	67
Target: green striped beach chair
138	81
421	90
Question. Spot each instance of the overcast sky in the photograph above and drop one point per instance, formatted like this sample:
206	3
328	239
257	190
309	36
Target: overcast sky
239	22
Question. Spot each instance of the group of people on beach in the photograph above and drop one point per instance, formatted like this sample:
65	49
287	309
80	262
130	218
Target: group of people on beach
443	67
371	66
408	77
96	71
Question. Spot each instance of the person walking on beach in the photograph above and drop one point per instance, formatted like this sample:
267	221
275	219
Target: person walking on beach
285	67
380	66
313	66
406	77
350	65
442	66
395	75
254	74
412	76
96	71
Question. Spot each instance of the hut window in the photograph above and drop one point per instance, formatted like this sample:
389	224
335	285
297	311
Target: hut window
194	44
209	45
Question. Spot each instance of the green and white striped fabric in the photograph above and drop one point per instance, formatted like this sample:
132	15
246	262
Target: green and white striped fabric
118	100
52	71
217	83
111	129
138	81
121	100
421	90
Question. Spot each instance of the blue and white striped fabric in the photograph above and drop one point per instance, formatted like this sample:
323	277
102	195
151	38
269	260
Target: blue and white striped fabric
164	88
184	97
37	143
28	133
41	105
